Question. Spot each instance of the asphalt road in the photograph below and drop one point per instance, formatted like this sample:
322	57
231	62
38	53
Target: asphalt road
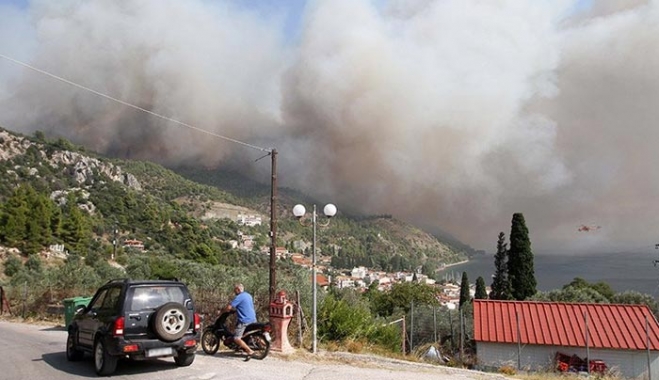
30	351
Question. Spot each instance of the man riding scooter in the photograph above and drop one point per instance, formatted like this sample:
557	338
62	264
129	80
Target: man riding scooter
243	304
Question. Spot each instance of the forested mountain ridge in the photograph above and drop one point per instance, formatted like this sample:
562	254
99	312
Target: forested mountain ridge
53	192
375	241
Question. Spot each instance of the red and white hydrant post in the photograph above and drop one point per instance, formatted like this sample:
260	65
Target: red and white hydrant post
281	313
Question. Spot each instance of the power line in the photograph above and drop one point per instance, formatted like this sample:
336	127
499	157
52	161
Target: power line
269	152
133	105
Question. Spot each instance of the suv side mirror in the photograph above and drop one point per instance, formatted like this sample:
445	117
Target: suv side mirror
80	309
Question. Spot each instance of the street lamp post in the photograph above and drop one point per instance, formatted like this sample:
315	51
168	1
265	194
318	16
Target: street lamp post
451	306
329	210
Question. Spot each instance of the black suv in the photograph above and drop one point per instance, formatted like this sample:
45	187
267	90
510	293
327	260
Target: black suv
137	320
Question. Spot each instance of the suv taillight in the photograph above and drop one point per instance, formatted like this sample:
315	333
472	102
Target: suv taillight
197	322
119	324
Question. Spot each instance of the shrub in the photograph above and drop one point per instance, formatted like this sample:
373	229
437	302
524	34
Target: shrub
13	265
342	321
387	336
346	319
507	370
355	346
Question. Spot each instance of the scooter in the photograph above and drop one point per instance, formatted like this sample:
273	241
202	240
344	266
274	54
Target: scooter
256	335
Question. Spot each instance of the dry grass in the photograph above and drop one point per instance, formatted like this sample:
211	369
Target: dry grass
611	375
355	353
364	355
358	353
559	376
47	320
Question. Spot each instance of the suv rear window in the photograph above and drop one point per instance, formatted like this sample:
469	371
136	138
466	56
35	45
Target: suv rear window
107	300
152	297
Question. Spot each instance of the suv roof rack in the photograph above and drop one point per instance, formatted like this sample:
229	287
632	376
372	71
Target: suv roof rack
118	280
168	278
130	280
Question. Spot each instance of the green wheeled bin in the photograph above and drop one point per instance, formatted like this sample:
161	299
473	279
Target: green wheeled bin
70	306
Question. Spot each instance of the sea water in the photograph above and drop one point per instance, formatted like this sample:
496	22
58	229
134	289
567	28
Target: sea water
629	270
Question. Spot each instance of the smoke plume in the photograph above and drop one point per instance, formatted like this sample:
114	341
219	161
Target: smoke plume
450	114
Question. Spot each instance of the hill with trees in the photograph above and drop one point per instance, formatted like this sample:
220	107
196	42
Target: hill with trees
58	200
66	216
76	198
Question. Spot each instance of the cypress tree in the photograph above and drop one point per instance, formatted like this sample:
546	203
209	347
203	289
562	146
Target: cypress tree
501	282
464	290
520	260
481	292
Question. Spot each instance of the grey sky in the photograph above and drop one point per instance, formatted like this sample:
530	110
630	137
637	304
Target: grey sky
450	113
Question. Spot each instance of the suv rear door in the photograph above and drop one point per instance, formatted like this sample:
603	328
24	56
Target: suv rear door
99	314
143	300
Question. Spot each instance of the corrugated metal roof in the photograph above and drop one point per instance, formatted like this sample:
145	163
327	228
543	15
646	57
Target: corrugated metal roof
610	326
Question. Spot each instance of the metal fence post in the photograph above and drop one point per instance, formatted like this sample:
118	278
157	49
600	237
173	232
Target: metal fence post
462	335
404	336
585	317
412	326
434	321
647	343
519	342
24	298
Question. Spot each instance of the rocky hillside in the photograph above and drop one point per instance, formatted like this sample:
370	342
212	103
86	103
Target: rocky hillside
175	215
33	159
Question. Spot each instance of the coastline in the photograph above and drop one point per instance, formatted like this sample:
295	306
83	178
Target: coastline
454	264
629	271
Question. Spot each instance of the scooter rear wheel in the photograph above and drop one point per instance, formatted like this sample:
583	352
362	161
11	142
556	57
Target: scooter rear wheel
259	345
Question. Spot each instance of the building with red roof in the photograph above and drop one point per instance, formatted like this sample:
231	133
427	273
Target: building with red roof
530	335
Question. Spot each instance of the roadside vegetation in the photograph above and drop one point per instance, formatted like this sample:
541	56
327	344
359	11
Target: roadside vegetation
44	205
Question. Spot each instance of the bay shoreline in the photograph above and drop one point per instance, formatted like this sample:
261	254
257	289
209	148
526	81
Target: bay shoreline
630	270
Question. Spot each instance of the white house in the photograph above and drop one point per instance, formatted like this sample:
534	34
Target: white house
344	282
248	220
530	335
359	272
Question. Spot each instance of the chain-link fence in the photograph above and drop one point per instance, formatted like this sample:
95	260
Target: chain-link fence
448	330
31	301
27	301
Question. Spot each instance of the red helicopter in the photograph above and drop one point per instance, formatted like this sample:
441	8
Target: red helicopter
586	228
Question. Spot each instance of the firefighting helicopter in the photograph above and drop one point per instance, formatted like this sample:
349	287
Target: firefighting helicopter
588	228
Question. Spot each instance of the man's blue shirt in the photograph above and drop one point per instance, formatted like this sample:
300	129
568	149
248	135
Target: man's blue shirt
244	306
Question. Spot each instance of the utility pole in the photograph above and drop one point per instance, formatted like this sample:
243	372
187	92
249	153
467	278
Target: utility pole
272	152
273	225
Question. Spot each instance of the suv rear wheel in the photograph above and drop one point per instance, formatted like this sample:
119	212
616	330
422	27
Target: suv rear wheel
104	363
72	352
183	359
170	321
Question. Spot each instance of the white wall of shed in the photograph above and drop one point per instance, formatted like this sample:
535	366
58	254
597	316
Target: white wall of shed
632	364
